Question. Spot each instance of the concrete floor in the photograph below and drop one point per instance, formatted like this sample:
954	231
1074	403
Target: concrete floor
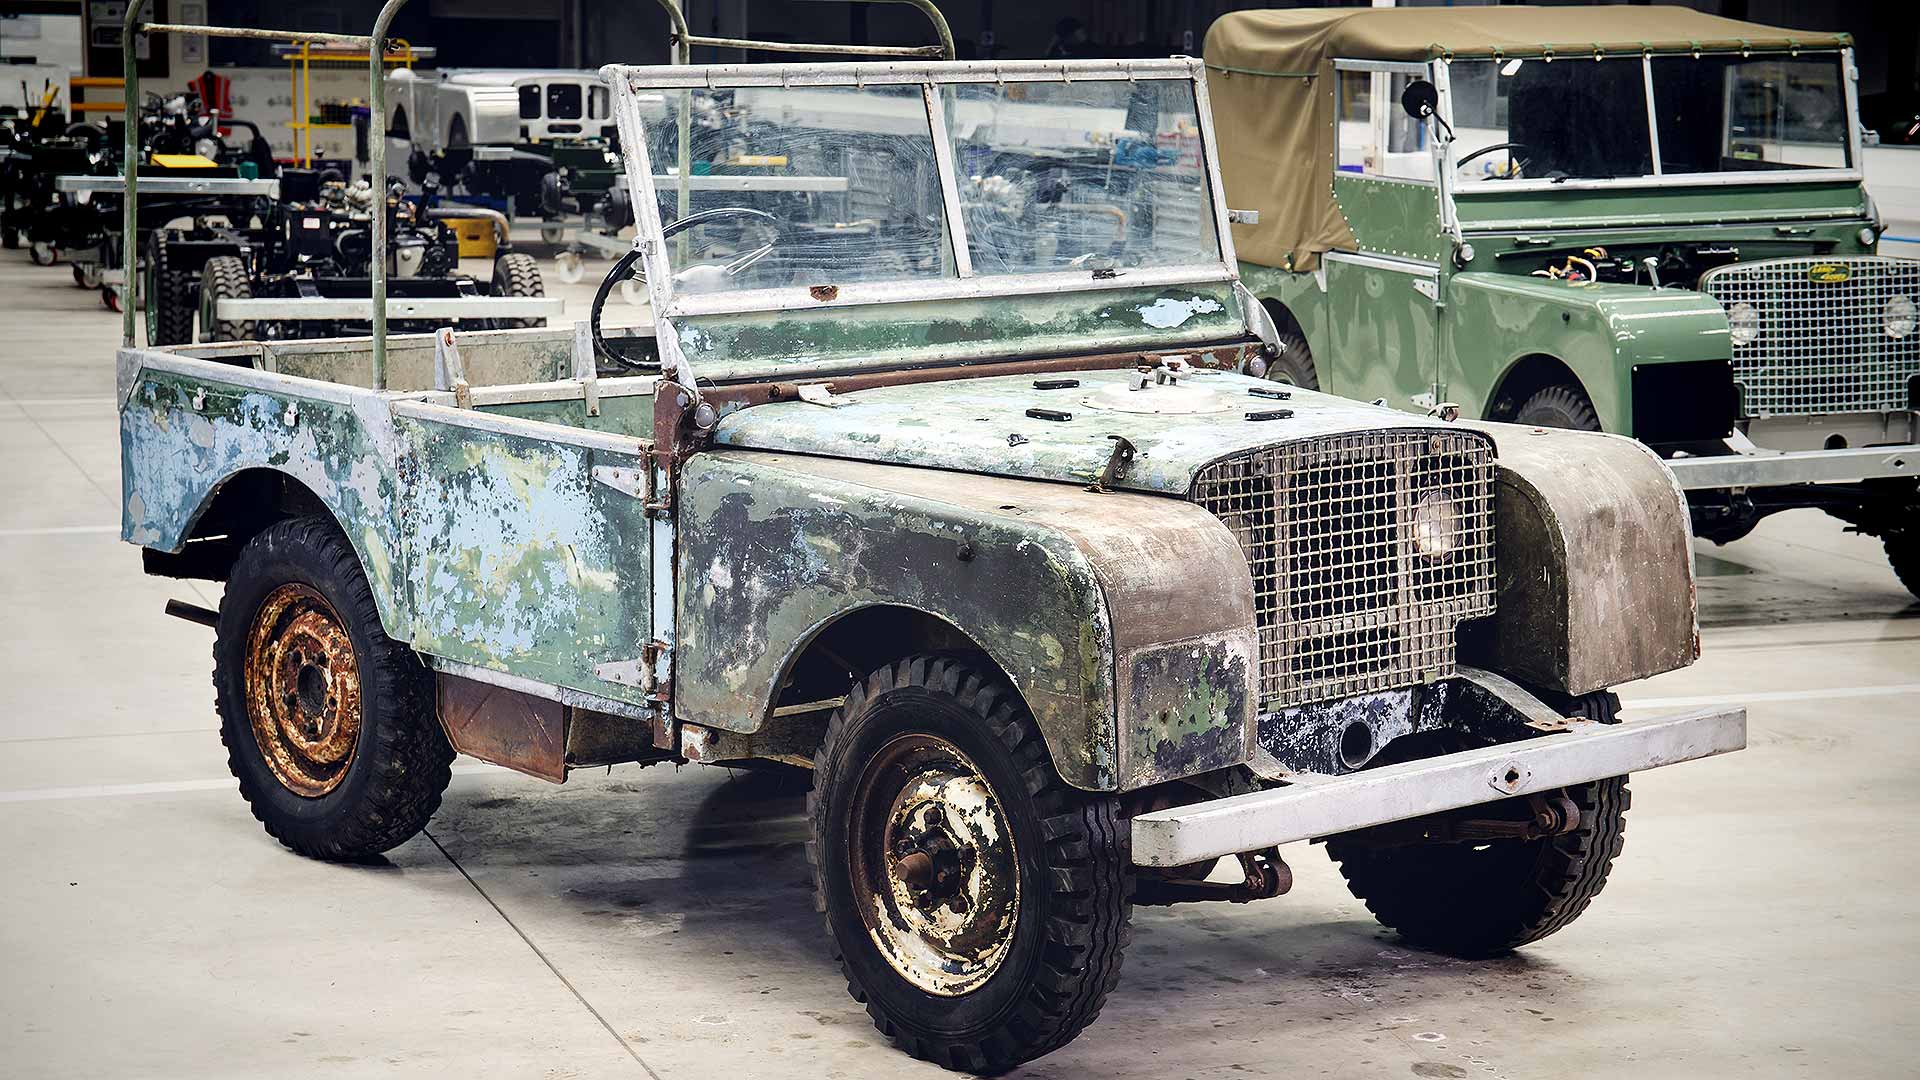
1762	922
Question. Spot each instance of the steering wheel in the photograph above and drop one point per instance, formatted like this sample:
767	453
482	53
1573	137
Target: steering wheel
626	263
1509	147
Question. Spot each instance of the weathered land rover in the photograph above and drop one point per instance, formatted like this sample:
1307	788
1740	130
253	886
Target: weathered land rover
966	508
1640	220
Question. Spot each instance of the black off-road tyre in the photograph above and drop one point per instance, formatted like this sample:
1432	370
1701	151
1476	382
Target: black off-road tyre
170	296
1070	926
389	784
224	277
1478	900
9	237
1559	406
517	274
1293	364
1903	551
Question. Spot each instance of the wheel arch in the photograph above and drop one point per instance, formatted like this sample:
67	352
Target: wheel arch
241	505
1526	376
847	645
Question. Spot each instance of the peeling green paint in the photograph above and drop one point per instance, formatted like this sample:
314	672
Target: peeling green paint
783	344
772	549
182	438
519	561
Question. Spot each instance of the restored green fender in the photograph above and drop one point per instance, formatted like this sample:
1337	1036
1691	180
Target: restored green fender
1125	621
1601	331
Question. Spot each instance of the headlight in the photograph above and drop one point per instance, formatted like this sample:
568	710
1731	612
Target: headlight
1899	317
1436	526
207	148
1743	324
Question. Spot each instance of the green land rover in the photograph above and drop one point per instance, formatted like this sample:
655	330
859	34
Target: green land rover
1641	220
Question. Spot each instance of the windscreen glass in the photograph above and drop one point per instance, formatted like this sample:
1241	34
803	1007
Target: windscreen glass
1746	114
1531	119
530	103
797	186
1093	175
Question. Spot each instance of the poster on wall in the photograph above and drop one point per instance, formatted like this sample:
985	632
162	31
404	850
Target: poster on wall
104	19
193	47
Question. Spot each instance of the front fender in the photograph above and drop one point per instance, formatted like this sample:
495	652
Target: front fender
1602	331
1594	560
1062	588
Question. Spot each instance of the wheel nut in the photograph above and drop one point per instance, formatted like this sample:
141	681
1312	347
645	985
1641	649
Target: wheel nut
914	868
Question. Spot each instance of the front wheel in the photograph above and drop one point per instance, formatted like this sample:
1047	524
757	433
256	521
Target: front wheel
329	724
1559	406
1478	899
980	905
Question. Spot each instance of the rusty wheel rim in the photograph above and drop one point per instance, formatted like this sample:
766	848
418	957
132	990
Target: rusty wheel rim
303	690
935	870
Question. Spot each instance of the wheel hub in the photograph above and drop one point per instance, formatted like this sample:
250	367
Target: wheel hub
936	874
303	690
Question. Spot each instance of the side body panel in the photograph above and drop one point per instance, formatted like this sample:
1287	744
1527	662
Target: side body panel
1398	218
1059	586
1384	331
520	560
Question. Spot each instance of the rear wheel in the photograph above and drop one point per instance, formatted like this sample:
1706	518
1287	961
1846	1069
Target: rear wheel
517	275
224	278
170	300
1561	405
328	723
980	905
43	253
1477	899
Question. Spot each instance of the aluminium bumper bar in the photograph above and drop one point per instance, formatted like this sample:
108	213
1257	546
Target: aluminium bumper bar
1328	805
1768	469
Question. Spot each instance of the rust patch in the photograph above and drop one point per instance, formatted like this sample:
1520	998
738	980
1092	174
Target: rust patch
303	690
824	293
525	733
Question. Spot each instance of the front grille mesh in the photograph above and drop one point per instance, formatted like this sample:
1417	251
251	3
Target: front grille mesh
1823	345
1345	604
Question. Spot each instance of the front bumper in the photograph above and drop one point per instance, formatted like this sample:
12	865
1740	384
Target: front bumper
1329	805
1774	468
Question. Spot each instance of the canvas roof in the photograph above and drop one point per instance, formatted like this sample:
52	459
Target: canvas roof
1270	77
1298	40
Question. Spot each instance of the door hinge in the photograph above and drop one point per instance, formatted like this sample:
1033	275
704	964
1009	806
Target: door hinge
633	482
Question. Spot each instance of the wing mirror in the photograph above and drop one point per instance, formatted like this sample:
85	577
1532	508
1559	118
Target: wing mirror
1419	99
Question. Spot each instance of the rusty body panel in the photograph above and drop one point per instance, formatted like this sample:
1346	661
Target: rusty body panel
522	732
1595	563
1051	581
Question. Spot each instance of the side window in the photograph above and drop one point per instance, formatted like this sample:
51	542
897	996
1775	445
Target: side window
596	103
530	102
1376	137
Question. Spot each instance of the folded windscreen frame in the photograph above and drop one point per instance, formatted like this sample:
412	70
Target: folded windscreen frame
872	216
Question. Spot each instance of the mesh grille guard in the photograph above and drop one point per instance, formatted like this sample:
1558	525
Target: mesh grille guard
1823	344
1346	602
